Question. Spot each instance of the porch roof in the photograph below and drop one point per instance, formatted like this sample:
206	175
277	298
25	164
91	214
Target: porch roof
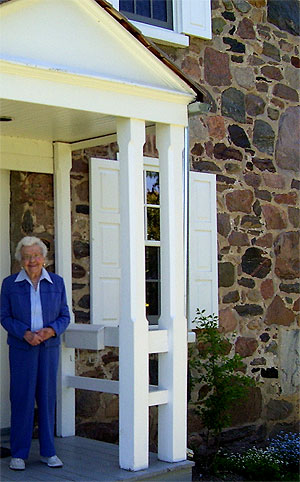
58	85
153	48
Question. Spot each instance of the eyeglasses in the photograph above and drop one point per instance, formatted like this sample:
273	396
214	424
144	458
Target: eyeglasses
29	257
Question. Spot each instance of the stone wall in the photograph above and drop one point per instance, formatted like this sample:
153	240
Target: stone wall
250	139
31	211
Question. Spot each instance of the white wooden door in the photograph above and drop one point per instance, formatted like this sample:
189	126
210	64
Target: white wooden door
202	252
105	242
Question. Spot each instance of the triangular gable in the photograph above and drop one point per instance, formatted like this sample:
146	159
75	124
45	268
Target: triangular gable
80	37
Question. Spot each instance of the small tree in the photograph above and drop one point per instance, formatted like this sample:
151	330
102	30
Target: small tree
218	376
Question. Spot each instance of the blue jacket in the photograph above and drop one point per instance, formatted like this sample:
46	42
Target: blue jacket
16	309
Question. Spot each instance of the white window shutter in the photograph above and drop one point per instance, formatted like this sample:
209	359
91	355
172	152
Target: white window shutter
196	18
202	254
104	242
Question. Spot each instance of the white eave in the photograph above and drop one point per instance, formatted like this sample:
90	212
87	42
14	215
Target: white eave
95	63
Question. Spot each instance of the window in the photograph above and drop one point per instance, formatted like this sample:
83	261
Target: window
168	21
153	12
152	244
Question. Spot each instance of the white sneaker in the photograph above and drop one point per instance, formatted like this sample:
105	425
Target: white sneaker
17	464
53	461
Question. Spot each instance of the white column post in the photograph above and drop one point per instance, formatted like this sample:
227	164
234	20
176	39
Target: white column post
63	267
173	364
4	271
133	330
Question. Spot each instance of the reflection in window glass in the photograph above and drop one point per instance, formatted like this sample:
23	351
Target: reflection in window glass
153	224
152	248
152	181
127	5
152	263
143	8
160	10
152	299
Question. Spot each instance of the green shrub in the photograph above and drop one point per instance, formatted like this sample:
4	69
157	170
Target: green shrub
279	461
218	376
255	464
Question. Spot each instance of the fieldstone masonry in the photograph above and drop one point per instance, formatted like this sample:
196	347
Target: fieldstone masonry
249	73
251	140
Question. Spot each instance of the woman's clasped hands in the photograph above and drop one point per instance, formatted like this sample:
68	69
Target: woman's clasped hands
37	337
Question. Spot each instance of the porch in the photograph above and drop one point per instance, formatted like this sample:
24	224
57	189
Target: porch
75	91
90	460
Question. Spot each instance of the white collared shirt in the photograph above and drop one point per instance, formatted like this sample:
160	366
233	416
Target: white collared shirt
35	298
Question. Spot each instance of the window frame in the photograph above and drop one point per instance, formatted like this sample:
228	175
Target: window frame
184	24
168	24
151	164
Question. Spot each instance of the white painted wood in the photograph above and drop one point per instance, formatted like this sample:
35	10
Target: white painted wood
29	155
85	336
97	141
162	35
4	271
95	384
109	97
47	123
105	242
106	139
158	341
96	337
191	337
63	264
111	336
157	396
172	365
196	18
133	324
203	262
73	46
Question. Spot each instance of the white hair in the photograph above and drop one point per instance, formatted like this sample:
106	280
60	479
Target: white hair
30	241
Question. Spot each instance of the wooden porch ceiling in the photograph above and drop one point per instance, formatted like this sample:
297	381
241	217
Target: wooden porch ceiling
35	121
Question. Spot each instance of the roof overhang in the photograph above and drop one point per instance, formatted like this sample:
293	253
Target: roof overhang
72	89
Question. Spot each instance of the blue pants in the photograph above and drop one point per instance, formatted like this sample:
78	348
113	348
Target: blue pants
32	377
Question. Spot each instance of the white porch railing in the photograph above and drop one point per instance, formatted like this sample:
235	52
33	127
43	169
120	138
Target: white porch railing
133	336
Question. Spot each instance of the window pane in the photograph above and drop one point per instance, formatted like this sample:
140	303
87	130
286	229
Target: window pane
153	12
160	10
143	8
152	262
152	294
152	181
126	5
153	224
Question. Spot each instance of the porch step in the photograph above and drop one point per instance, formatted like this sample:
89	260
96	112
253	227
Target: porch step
90	460
176	475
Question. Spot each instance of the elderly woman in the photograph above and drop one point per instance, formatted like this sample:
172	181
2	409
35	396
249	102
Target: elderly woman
34	312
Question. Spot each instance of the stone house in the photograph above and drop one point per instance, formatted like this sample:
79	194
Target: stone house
243	132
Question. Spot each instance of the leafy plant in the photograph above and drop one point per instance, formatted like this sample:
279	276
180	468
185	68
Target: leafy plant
255	464
279	461
218	376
